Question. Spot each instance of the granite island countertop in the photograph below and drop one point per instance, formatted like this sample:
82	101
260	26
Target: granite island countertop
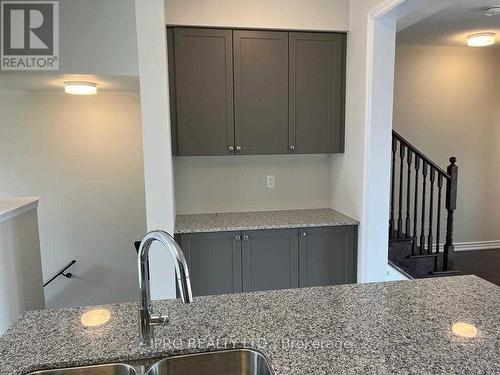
401	327
256	220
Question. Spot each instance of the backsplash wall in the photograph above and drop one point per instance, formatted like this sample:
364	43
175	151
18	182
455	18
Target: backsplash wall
239	183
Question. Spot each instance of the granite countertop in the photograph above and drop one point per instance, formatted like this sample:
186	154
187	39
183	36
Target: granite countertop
235	221
401	327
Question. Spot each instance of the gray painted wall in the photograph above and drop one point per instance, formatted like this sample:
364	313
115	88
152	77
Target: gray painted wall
447	102
83	157
98	36
239	183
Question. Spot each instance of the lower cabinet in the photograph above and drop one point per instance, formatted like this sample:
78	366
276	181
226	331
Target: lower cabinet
214	261
232	262
327	256
270	260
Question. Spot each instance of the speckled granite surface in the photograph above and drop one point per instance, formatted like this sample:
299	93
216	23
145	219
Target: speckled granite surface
234	221
382	328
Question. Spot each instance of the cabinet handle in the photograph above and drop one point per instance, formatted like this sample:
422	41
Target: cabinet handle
245	238
292	148
303	234
231	148
237	238
238	148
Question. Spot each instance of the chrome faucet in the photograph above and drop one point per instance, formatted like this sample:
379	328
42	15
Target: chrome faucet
146	317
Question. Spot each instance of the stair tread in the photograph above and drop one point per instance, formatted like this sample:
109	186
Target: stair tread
418	267
420	256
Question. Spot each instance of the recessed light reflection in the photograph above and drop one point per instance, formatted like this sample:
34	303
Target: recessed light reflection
95	318
463	329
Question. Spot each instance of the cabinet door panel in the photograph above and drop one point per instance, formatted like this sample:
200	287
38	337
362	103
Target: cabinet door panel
214	261
317	92
327	256
270	259
204	91
172	89
261	91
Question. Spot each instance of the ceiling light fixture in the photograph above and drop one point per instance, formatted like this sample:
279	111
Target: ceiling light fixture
481	40
80	88
493	11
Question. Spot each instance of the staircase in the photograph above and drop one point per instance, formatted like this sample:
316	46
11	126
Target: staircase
420	227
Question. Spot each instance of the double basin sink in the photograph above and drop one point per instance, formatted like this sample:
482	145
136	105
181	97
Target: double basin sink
227	362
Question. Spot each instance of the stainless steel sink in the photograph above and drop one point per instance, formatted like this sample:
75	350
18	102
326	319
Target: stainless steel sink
228	362
111	369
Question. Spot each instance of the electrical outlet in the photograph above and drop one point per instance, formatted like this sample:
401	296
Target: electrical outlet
271	180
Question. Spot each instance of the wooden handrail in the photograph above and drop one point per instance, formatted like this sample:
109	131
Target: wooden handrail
421	155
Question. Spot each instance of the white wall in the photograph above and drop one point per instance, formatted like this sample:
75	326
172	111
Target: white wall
83	157
20	267
284	14
447	103
158	169
97	36
351	192
239	183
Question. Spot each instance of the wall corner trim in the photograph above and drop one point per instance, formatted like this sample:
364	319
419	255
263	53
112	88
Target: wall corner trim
12	207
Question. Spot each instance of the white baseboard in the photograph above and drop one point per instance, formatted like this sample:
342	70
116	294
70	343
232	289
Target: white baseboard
477	245
395	274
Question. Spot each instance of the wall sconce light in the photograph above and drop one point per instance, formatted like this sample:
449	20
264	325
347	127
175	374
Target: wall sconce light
481	40
80	88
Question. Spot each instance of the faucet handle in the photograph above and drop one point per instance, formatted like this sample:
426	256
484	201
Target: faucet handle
158	319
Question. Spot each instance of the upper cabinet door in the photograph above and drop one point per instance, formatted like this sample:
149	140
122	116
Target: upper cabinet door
317	92
204	91
261	92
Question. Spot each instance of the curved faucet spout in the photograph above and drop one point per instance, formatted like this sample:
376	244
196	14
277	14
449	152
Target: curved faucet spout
146	317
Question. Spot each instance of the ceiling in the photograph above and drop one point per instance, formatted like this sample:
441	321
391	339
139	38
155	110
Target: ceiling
451	26
22	80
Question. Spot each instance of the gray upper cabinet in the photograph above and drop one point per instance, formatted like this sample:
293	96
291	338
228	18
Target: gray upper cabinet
327	256
317	92
261	91
202	77
270	259
214	261
251	92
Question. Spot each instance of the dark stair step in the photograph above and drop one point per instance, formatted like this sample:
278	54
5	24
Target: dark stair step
416	266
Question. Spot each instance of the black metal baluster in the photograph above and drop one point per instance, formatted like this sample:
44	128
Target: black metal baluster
415	207
402	150
438	221
391	221
408	195
422	218
430	237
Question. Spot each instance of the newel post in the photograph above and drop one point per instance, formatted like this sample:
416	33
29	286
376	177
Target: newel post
451	205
